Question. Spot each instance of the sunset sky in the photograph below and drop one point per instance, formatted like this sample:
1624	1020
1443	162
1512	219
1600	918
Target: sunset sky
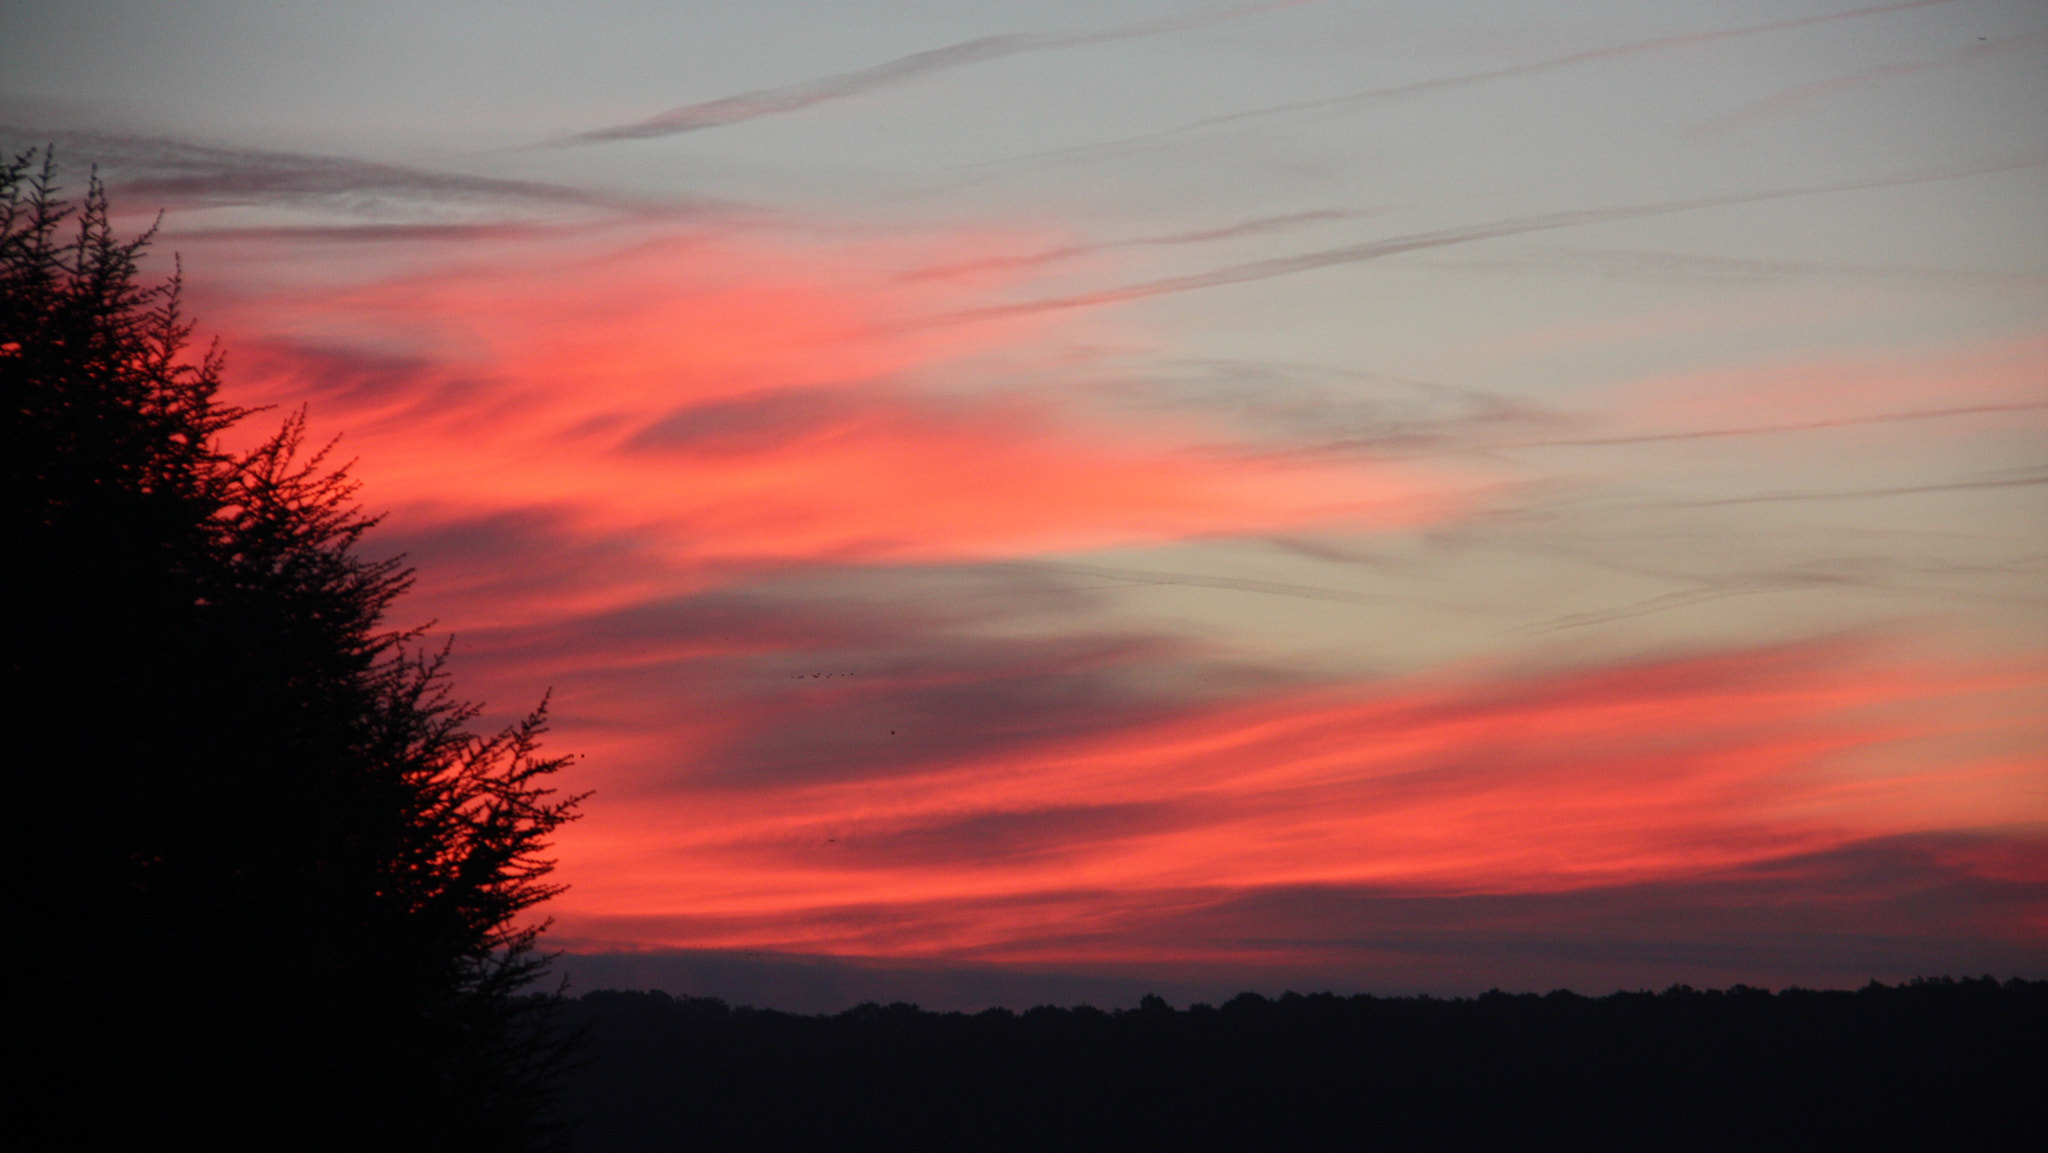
1049	501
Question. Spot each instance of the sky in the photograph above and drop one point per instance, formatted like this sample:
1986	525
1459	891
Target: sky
1024	502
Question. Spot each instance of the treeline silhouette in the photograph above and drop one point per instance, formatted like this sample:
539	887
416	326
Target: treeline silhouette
1934	1064
265	882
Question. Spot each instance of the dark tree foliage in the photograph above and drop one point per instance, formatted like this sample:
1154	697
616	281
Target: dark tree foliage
1938	1064
269	882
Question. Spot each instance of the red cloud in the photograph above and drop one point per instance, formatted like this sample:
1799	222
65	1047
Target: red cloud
602	456
727	400
1072	848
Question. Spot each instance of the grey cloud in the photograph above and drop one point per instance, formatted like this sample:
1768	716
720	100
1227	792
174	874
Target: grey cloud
185	174
1891	909
822	673
369	389
1888	909
1134	576
995	838
1310	409
613	648
1256	226
953	700
363	233
511	557
775	621
749	424
945	699
346	377
795	97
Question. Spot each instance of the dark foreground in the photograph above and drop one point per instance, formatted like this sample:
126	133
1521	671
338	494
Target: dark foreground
1928	1065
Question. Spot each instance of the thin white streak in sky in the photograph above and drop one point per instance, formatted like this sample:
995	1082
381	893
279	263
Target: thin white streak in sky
794	97
1805	426
1444	238
1253	227
1373	95
1791	97
2022	480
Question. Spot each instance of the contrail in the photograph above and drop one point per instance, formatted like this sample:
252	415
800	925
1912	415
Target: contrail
1195	580
183	171
1372	95
1805	426
793	97
1444	238
2021	480
1253	227
1791	97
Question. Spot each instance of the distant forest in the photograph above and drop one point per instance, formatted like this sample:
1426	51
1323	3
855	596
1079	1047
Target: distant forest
1934	1064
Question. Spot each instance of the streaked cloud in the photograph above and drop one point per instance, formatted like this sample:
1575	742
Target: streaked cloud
1778	102
1542	789
1444	238
1889	908
761	402
1723	269
1665	609
1372	96
168	172
796	97
1256	226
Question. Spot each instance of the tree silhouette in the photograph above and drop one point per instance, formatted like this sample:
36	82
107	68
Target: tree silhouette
269	882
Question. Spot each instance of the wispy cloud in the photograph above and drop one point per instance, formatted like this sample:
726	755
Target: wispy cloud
1122	575
1944	413
1445	83
392	234
1789	98
1699	268
1449	237
756	401
1256	226
1914	577
172	172
795	97
1274	407
2019	478
1072	842
833	607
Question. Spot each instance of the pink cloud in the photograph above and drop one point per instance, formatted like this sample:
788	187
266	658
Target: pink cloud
726	398
1458	784
1846	387
621	468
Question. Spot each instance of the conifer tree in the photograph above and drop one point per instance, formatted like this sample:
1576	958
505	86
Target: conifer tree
271	885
